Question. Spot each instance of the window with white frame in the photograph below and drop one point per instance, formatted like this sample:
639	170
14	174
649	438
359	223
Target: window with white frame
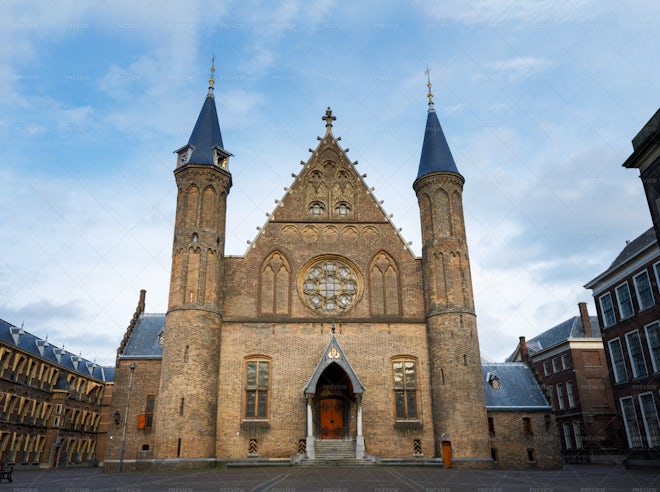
568	438
546	368
618	363
607	309
555	365
650	418
561	402
624	300
653	341
630	422
577	431
570	393
643	288
564	361
636	355
656	269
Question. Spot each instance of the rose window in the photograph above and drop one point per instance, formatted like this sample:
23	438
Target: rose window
330	286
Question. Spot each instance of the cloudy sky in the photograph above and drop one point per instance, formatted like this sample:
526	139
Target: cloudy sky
539	102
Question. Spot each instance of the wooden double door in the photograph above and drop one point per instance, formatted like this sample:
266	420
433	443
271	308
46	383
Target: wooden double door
331	412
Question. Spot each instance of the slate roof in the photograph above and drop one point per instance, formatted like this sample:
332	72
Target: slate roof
519	389
14	336
571	328
631	250
206	133
144	340
634	247
436	155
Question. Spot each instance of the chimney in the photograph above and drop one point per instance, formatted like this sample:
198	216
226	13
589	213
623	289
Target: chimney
524	355
140	306
584	316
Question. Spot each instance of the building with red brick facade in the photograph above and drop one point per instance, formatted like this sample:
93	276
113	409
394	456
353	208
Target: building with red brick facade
569	360
328	339
628	303
54	405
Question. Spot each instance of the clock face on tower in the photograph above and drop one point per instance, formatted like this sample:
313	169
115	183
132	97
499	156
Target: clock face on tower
330	285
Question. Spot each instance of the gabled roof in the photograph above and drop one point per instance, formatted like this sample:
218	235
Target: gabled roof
14	336
518	388
571	328
436	156
144	340
333	354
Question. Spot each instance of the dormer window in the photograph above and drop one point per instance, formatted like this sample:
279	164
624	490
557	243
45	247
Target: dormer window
184	155
493	380
219	159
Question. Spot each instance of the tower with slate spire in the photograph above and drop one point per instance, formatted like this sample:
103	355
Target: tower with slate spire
457	394
187	401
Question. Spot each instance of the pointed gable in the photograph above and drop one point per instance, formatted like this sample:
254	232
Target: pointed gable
333	354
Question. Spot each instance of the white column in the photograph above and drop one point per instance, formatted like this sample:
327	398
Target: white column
309	444
359	441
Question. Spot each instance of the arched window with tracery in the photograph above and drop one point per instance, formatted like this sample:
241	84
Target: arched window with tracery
384	285
275	285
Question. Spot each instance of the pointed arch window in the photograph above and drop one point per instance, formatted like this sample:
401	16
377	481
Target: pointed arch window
316	209
384	285
343	209
275	285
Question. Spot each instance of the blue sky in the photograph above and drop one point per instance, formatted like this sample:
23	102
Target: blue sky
539	102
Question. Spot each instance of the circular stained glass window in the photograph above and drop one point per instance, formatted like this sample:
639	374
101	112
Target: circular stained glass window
329	286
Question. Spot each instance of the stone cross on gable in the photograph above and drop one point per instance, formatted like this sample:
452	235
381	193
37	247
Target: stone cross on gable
328	118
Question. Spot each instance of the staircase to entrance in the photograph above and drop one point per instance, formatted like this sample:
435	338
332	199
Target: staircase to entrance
338	449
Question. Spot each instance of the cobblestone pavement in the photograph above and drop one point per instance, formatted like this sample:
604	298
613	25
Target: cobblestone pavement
580	478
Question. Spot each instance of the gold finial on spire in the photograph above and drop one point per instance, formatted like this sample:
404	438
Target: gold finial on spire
328	118
212	75
428	84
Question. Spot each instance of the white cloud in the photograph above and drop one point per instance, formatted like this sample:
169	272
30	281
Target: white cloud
520	67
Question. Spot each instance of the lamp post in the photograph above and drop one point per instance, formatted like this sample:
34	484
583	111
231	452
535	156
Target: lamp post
123	433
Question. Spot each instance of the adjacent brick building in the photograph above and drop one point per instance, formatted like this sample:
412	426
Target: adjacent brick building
646	158
628	303
328	338
53	404
521	425
569	360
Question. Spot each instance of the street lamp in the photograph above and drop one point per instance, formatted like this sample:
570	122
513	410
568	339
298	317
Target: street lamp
123	433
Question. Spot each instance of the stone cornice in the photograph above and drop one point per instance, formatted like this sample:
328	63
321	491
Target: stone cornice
441	178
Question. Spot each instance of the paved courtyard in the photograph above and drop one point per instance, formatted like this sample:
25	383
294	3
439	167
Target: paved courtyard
581	478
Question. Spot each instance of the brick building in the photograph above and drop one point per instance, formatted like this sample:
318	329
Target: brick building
569	360
646	158
53	404
521	425
329	338
628	303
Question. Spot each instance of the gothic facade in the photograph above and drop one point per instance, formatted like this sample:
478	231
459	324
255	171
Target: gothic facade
329	339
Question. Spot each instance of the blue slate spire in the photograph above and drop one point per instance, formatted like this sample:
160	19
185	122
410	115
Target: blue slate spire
436	156
205	142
